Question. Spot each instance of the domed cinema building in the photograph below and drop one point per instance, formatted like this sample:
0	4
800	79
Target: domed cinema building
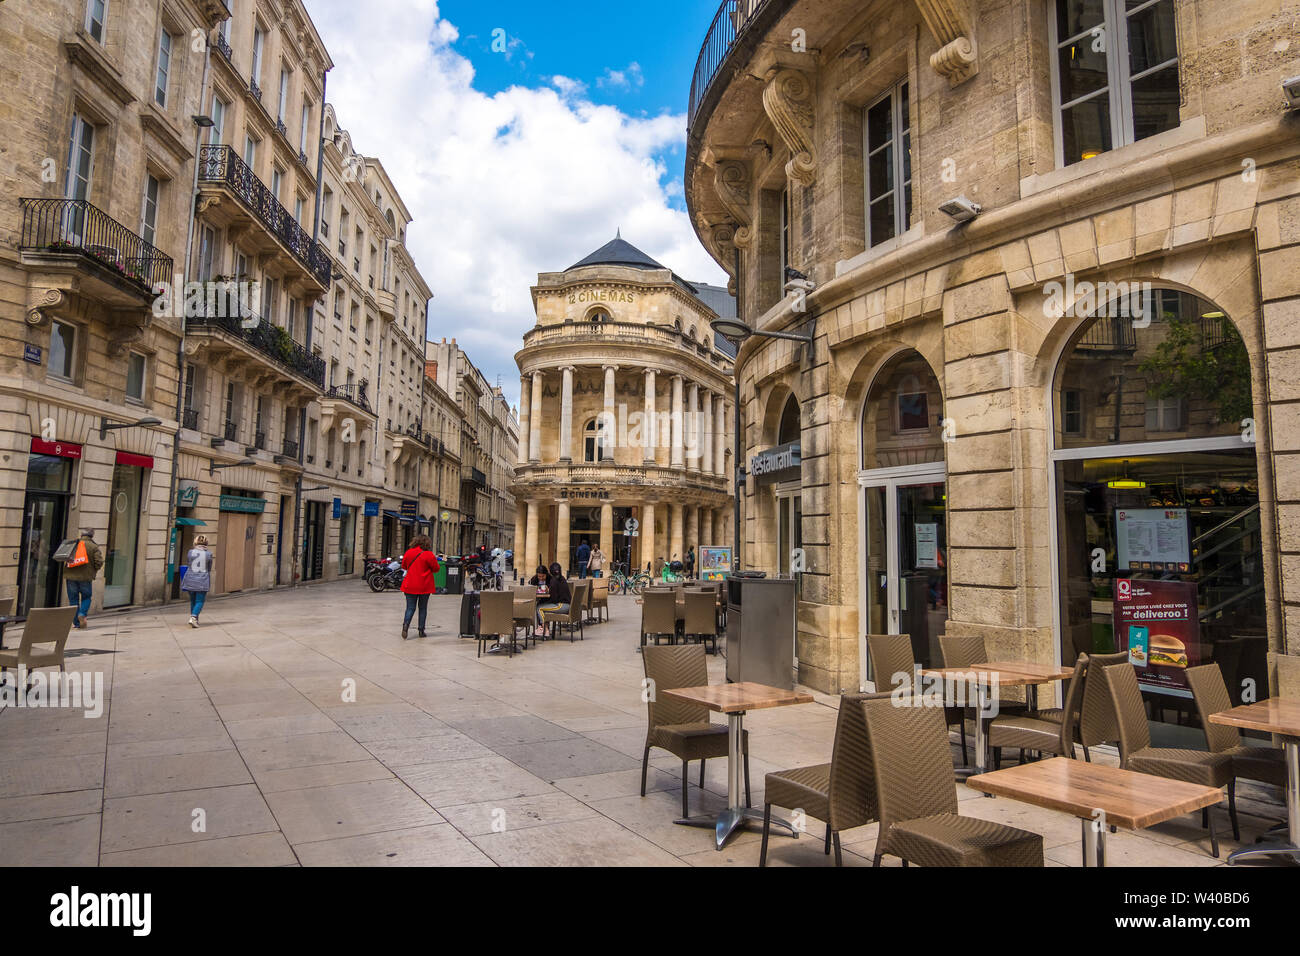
1055	362
625	413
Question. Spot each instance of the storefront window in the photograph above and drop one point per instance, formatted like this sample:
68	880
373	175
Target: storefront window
902	423
1160	549
123	530
347	537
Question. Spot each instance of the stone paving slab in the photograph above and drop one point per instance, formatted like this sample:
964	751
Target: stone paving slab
309	733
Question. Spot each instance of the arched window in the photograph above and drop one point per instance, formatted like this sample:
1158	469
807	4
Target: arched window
598	316
594	443
789	428
902	421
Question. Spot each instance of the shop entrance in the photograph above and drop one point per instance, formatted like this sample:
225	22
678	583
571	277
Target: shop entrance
45	517
313	548
123	534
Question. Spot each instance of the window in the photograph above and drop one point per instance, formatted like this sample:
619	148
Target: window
913	411
1072	411
224	28
593	442
1115	78
189	386
250	153
284	94
217	131
164	67
270	297
81	151
888	150
135	377
785	233
259	436
149	215
96	13
291	322
259	39
63	349
277	180
1164	414
297	210
207	244
326	204
306	123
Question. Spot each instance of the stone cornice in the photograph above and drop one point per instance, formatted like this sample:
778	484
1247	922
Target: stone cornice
83	53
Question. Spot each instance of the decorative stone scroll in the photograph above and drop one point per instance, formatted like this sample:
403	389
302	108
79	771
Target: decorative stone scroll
953	29
732	184
43	304
788	101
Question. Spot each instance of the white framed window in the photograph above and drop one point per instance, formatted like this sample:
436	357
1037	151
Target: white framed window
259	41
887	148
63	350
284	94
306	123
135	369
207	251
81	153
250	153
96	14
277	181
297	210
1115	75
164	68
326	201
224	28
149	213
1165	414
217	131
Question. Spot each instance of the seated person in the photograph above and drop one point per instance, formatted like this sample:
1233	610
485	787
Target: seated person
558	599
539	579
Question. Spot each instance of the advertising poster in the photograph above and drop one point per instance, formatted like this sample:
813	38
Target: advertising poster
1153	539
1157	623
715	563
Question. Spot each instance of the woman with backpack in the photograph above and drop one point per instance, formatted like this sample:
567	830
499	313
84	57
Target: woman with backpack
198	576
420	564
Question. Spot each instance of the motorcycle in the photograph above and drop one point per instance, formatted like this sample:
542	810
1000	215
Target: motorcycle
384	577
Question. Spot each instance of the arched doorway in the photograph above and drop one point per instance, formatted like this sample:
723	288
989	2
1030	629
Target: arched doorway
903	507
789	494
1157	508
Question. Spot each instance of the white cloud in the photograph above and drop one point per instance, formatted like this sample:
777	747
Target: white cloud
625	79
501	187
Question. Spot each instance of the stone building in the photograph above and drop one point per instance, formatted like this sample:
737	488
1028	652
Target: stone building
95	171
627	400
1053	254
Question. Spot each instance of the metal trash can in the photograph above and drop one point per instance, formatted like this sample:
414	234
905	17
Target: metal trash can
455	576
761	630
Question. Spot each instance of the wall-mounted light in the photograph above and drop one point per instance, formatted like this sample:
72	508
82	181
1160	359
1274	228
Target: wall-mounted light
105	426
213	467
961	209
1291	90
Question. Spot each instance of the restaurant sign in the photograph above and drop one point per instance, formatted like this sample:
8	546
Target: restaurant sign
780	463
409	509
240	503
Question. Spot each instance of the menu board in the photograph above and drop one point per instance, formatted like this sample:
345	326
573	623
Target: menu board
715	563
1157	623
1153	539
927	546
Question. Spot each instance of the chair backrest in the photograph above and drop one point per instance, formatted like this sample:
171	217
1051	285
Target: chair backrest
1131	716
911	761
853	788
1097	723
578	602
46	625
962	650
1073	703
6	606
658	612
1227	654
890	654
496	612
669	666
1211	696
701	613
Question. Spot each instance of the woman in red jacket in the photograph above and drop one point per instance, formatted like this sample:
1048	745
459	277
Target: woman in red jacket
420	564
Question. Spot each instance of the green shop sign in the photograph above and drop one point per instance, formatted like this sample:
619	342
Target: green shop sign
240	503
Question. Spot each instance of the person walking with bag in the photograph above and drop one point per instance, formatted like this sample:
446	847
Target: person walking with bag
79	573
198	576
420	564
596	563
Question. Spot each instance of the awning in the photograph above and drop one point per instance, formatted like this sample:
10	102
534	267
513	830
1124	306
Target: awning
405	519
191	523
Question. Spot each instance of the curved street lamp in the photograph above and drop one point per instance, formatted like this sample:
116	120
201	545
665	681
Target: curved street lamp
105	426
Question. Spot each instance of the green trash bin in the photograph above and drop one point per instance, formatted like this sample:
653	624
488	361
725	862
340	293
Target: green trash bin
440	580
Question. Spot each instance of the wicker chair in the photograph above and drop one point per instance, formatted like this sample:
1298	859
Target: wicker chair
1030	732
840	793
1267	764
967	651
497	619
1097	721
43	639
599	599
572	618
1136	752
524	601
658	615
681	728
701	617
919	822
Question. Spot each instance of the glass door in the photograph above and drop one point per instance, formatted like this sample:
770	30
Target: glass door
43	523
123	534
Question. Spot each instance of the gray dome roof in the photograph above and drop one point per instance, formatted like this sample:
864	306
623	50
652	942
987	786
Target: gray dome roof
618	252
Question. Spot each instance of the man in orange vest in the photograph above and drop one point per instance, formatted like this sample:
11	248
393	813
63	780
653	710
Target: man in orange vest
79	574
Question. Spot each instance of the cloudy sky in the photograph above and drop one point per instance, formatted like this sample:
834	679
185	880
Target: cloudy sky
521	136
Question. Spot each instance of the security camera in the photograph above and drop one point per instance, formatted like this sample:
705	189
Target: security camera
961	209
1291	90
796	281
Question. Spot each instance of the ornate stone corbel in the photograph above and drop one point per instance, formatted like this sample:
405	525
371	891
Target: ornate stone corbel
42	305
953	29
731	182
788	100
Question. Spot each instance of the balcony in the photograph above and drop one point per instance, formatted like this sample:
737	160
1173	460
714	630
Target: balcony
229	431
115	265
260	342
222	173
354	393
190	419
289	448
734	21
223	47
474	477
636	335
386	303
611	476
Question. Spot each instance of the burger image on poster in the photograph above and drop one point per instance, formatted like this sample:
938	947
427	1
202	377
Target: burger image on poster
1167	651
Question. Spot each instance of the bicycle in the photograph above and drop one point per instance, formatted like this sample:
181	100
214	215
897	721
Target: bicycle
624	583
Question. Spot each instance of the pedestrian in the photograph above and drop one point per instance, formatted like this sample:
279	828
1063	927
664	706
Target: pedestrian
596	563
558	598
79	573
690	562
584	557
198	576
420	564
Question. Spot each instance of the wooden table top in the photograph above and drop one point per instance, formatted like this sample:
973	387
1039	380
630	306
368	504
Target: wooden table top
1130	800
738	698
1007	673
1276	716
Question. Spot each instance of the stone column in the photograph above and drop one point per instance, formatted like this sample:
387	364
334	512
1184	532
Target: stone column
607	533
701	531
676	423
566	414
693	430
647	550
530	556
525	406
675	534
535	421
649	432
705	438
521	536
611	423
720	435
562	534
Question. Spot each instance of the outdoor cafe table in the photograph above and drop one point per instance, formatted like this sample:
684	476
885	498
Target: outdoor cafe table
733	700
1025	674
1281	717
9	619
1100	796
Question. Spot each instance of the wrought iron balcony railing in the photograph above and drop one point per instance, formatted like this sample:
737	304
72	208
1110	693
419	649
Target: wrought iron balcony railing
230	430
271	340
354	393
220	164
290	448
77	226
190	419
729	23
255	90
223	47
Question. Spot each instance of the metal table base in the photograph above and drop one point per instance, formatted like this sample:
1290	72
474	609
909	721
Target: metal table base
1274	846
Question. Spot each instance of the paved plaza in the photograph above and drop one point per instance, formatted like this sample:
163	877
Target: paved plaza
233	744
